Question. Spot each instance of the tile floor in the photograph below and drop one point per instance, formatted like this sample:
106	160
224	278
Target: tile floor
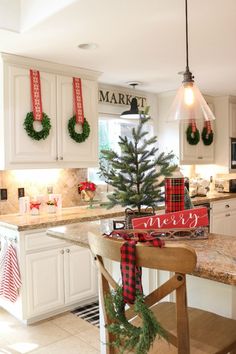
62	334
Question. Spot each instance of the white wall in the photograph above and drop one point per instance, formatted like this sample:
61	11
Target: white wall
35	11
10	15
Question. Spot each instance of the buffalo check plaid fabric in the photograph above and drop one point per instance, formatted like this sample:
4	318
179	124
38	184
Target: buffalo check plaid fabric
174	194
131	274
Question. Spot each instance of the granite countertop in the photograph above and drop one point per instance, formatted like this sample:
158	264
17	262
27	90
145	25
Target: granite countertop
67	216
80	214
216	256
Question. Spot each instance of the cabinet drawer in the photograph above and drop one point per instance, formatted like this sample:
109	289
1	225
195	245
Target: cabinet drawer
223	206
39	240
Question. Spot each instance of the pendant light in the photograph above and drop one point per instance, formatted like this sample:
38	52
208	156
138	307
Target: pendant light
189	104
134	112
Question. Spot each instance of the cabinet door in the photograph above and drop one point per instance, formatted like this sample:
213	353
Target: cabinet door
232	120
83	154
80	274
219	224
45	281
20	148
224	223
195	154
230	220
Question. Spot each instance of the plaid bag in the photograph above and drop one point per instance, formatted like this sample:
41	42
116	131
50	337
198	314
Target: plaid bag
174	194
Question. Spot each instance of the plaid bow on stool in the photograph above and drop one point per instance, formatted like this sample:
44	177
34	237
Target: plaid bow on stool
131	274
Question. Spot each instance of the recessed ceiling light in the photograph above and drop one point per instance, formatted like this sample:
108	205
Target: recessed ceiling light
87	46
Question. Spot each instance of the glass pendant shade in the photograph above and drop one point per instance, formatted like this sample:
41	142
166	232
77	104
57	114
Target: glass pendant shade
189	104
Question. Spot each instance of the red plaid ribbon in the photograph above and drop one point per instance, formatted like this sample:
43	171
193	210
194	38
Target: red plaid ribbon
174	194
36	95
78	100
131	274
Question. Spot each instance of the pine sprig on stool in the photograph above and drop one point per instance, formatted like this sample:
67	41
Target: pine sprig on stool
127	336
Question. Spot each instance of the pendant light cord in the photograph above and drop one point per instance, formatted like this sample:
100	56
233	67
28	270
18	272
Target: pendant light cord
186	33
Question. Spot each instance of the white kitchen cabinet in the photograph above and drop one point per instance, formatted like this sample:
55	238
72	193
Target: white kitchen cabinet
44	281
20	148
80	274
56	276
172	135
232	120
195	154
58	150
223	217
80	154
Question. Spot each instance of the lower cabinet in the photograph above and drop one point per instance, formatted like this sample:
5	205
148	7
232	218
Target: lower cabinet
56	275
223	217
44	281
80	274
58	278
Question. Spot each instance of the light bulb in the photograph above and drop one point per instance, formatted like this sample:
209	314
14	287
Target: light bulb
188	96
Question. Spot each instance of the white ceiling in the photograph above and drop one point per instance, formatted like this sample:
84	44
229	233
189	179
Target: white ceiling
141	40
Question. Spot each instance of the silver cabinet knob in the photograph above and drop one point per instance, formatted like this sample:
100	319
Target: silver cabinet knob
200	157
62	251
56	158
68	250
227	214
227	205
61	158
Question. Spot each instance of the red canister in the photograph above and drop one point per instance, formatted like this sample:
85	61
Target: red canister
174	192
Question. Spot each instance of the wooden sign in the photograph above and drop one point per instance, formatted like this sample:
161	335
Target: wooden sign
115	97
190	218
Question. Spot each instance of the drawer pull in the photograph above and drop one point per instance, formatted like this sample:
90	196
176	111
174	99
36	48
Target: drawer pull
68	250
227	214
62	251
227	205
200	157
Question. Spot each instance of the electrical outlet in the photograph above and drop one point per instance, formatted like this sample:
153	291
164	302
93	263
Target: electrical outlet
3	194
21	192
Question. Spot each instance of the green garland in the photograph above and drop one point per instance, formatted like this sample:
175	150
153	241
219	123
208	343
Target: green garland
79	138
193	138
207	138
128	336
29	127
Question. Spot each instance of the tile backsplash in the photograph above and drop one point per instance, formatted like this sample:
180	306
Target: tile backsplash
36	182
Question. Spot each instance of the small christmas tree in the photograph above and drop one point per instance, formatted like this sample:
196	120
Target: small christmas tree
137	172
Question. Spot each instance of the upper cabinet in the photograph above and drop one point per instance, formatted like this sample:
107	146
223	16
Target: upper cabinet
195	154
58	150
232	119
225	110
172	135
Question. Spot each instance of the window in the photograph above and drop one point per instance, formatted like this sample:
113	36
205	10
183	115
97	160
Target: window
110	128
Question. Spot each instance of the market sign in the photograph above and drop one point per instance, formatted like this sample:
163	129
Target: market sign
122	98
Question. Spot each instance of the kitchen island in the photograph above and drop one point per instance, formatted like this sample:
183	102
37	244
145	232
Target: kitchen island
51	268
212	285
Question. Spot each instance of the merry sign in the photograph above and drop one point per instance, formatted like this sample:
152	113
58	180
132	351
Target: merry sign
190	218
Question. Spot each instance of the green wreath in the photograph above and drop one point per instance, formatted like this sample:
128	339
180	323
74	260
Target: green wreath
193	138
29	127
127	336
207	138
79	138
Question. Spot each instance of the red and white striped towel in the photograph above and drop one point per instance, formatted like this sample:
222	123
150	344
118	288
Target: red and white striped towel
4	247
11	281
